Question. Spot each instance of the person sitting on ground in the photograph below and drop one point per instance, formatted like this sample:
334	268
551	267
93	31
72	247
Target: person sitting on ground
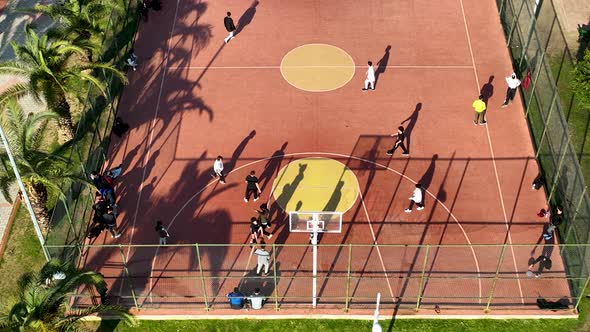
557	216
98	180
132	60
120	127
256	300
236	299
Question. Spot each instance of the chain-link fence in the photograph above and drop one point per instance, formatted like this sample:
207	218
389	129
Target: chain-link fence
200	276
87	151
558	123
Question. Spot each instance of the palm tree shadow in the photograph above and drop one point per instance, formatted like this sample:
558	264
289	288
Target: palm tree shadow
412	119
382	64
247	17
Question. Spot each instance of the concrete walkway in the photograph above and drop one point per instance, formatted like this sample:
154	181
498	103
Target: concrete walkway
571	13
12	25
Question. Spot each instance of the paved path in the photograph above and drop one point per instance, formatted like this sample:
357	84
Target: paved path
570	14
12	25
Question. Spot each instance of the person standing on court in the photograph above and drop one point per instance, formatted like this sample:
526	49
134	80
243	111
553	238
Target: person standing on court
218	169
230	27
399	142
110	221
252	187
513	84
480	111
416	198
162	232
263	260
370	77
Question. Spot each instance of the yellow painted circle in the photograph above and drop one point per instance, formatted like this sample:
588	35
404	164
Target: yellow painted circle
315	184
317	67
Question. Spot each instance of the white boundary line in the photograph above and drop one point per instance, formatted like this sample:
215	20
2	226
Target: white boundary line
335	155
492	154
149	143
376	245
279	67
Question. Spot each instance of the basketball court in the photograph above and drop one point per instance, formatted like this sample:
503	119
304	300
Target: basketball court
283	98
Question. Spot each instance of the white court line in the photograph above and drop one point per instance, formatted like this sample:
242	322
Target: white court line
376	245
149	143
493	157
344	156
279	67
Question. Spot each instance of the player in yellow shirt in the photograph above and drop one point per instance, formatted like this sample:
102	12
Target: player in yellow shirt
480	111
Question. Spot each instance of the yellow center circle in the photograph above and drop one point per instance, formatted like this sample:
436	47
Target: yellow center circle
315	184
317	67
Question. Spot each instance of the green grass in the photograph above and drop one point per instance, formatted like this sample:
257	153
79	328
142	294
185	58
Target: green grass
22	254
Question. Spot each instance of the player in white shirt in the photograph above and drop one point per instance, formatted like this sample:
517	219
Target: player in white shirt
218	169
416	198
513	84
370	77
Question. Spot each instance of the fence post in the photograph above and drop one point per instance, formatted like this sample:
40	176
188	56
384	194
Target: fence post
274	268
422	277
500	260
126	271
346	303
202	276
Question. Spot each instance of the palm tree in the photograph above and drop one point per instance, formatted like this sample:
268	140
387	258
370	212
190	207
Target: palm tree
82	22
42	297
53	70
40	170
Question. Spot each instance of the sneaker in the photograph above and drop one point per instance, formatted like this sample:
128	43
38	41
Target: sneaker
389	153
504	105
405	154
245	200
222	182
408	210
483	123
269	237
373	89
420	208
475	123
364	89
118	236
537	275
255	199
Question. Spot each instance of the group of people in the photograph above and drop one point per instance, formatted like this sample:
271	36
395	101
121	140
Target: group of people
543	261
105	203
480	105
238	300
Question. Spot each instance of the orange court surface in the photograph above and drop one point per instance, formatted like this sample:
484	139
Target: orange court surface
194	97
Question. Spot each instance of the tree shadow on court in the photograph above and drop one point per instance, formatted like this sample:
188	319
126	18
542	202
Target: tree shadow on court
411	120
382	65
487	90
247	17
272	166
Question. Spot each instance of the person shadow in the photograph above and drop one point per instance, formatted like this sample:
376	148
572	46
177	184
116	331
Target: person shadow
272	166
247	17
382	64
426	179
411	120
487	90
